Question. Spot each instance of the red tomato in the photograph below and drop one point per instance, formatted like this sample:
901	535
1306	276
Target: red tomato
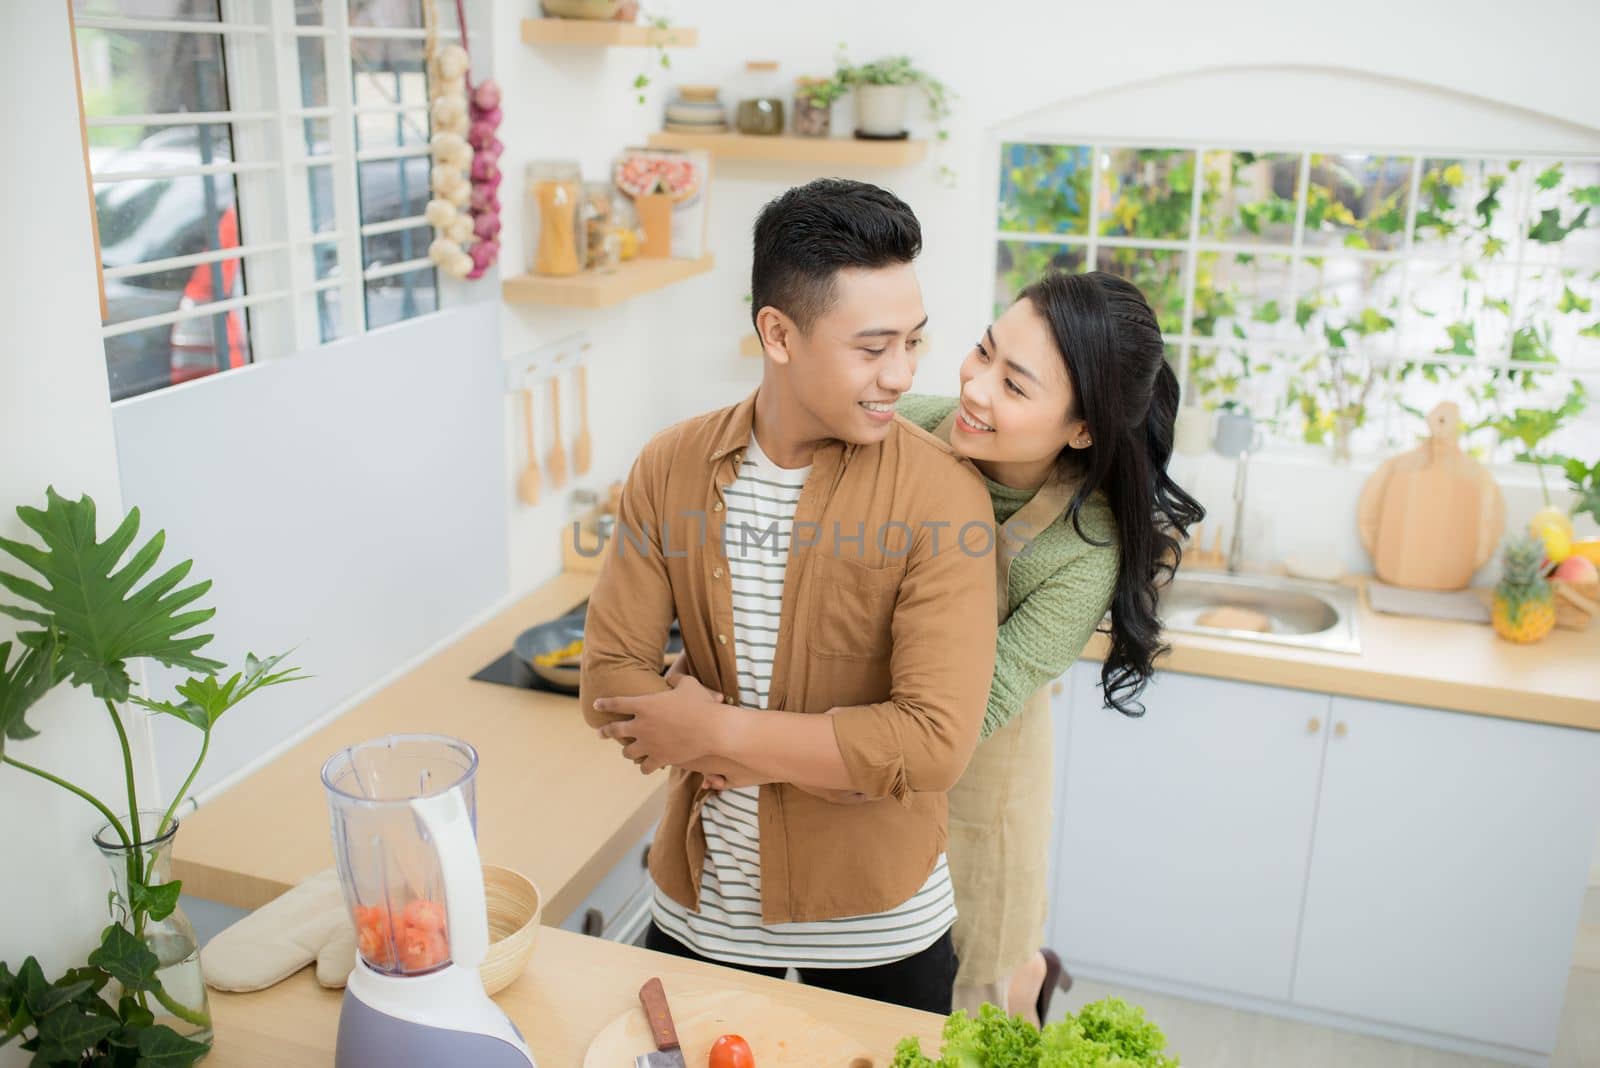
731	1051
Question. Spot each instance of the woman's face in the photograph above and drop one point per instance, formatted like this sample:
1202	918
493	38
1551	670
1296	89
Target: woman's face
1016	407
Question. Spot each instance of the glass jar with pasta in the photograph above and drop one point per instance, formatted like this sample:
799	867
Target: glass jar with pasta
556	240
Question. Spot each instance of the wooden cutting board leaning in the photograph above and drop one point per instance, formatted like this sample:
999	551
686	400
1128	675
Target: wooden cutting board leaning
1431	517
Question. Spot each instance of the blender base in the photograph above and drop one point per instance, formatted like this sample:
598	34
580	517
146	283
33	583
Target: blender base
463	1034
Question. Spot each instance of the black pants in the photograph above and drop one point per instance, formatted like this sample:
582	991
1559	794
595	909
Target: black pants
921	981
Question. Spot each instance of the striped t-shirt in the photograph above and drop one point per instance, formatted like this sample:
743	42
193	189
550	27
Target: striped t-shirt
760	518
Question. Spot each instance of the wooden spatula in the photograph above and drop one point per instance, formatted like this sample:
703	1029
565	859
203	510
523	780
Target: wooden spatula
582	450
528	484
556	465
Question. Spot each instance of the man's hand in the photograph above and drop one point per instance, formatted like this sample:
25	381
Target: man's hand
677	727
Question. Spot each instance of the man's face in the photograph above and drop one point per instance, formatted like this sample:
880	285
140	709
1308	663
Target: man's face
849	369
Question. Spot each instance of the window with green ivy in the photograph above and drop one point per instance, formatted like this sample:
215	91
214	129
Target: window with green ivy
1339	296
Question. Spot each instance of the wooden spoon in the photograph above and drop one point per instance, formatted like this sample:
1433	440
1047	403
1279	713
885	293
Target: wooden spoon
528	484
556	465
582	449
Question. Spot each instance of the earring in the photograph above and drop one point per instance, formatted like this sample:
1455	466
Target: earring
1083	443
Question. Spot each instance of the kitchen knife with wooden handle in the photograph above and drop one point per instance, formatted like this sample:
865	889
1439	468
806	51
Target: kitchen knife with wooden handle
668	1054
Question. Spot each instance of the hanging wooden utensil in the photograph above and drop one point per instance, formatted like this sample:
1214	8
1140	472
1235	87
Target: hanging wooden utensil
528	484
582	449
1433	516
556	465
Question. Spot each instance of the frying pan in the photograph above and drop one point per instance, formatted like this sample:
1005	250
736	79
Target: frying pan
562	632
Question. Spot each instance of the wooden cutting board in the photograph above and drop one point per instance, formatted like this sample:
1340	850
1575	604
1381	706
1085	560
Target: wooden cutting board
780	1036
1433	516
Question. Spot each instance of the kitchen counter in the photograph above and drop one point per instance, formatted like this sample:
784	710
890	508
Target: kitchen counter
554	801
560	806
573	988
1455	666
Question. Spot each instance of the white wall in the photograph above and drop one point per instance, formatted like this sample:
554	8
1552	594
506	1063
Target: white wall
55	428
345	502
1424	73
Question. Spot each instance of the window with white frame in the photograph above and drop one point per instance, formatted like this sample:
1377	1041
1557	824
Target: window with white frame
260	172
1339	295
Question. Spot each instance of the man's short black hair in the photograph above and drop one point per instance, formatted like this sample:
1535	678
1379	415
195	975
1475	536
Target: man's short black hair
804	237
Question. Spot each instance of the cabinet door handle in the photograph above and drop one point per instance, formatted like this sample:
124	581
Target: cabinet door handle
1313	725
1340	730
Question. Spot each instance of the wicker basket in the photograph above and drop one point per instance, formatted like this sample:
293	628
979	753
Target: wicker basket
514	909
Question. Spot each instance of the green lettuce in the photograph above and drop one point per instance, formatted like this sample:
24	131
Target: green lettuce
1107	1034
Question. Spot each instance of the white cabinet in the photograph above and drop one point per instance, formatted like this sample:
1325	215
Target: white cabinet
1448	871
1183	835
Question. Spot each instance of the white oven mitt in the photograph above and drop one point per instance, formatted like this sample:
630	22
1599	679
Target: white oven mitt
308	923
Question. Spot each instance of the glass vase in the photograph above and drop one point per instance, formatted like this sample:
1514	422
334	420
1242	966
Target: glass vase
179	1001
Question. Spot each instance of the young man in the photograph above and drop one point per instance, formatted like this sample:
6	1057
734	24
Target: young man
828	564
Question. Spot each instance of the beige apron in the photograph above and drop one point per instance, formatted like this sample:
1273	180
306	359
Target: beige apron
1000	809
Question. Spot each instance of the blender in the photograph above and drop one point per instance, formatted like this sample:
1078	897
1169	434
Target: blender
404	813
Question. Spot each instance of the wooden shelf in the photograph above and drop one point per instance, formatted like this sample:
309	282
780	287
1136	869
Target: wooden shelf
790	149
592	289
750	345
595	33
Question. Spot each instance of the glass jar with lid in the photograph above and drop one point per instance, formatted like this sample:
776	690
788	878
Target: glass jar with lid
556	240
761	100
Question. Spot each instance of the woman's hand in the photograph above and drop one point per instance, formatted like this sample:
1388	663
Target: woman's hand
680	726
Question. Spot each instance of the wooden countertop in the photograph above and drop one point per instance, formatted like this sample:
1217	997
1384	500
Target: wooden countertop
1457	666
573	988
554	801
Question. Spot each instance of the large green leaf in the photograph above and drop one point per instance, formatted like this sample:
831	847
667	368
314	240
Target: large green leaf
102	619
158	900
162	1047
205	699
125	958
68	1032
23	684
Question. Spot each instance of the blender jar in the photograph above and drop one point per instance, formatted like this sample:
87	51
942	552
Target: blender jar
404	812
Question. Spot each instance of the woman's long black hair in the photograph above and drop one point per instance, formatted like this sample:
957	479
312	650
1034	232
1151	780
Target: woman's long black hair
1127	392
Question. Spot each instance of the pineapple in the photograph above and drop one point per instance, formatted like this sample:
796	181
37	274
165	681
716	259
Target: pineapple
1524	604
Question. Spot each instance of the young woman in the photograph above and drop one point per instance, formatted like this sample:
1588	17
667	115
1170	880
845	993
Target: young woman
1066	408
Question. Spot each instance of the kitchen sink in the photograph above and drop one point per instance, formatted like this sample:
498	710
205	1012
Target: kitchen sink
1309	615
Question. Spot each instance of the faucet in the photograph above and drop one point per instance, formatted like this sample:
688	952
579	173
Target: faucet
1241	476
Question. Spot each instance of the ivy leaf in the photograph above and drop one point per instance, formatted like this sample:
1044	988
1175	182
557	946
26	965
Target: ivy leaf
1490	203
1550	178
1268	312
1492	247
162	1047
1463	340
125	958
68	1032
1588	194
1549	229
1592	330
1303	311
23	684
1372	322
1570	301
1391	221
205	699
158	900
102	619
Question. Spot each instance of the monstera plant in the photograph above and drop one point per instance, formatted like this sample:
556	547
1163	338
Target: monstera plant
94	609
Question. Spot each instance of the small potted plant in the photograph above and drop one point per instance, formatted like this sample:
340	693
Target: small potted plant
813	104
883	90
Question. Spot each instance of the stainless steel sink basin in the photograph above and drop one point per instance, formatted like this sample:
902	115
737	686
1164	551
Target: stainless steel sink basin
1310	615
